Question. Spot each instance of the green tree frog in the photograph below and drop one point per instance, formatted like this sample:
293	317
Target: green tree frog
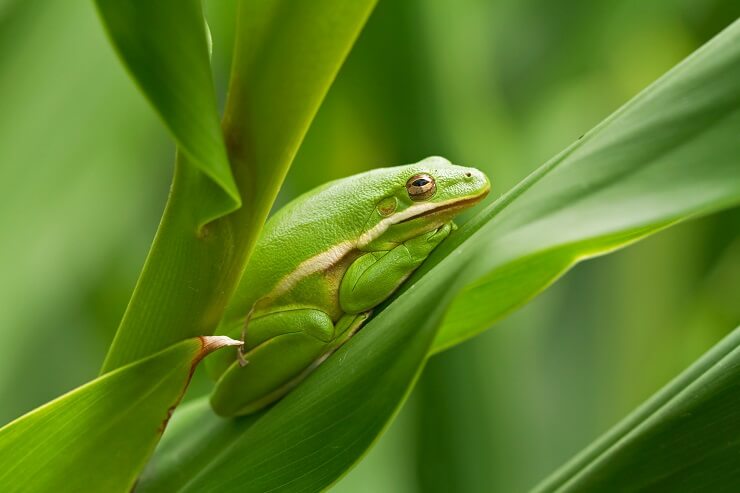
322	263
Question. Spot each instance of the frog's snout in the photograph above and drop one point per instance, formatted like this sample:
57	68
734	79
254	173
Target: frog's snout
477	180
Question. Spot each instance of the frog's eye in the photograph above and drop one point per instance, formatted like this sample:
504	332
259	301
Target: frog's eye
421	186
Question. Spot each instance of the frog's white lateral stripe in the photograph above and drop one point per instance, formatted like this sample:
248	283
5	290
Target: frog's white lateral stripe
389	221
324	260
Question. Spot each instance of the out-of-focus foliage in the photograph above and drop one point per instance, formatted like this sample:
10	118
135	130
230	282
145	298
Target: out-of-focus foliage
667	155
681	439
82	183
500	85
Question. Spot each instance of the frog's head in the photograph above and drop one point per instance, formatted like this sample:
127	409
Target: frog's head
420	197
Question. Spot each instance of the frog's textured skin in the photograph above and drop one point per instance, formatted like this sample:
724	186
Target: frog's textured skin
322	263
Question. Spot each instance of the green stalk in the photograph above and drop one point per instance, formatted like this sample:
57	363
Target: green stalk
287	55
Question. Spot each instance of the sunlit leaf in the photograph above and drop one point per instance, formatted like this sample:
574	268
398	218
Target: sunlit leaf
98	436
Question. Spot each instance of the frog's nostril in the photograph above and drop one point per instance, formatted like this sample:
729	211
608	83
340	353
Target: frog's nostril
468	174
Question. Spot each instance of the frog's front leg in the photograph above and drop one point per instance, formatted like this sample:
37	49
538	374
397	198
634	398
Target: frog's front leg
280	349
374	276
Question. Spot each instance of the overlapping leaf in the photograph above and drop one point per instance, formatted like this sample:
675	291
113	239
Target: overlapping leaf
670	154
97	437
165	46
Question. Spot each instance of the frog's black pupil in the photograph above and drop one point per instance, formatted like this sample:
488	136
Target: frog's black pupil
420	182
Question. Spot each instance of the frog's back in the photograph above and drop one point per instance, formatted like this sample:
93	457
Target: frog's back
313	224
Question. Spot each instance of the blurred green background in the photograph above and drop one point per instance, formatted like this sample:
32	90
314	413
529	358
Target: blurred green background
498	84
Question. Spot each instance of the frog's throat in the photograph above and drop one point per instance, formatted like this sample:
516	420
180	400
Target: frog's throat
336	253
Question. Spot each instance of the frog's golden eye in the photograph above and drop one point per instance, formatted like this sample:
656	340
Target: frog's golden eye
421	186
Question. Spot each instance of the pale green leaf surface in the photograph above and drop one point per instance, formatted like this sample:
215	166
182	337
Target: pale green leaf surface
682	439
281	73
669	154
98	436
165	46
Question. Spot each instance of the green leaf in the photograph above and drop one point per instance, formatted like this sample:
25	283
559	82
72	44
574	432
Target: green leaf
669	154
682	439
98	436
310	438
286	57
282	71
165	46
194	436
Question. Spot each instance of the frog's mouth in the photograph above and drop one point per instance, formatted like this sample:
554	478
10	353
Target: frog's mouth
448	207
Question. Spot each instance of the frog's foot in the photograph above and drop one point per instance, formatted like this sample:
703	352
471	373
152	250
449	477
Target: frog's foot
241	356
280	347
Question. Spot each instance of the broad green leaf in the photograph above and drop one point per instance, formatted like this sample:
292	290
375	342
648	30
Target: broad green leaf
165	46
282	70
670	154
316	433
193	438
682	439
98	436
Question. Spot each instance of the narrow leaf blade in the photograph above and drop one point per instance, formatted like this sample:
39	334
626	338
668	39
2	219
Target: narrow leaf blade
164	45
98	436
683	439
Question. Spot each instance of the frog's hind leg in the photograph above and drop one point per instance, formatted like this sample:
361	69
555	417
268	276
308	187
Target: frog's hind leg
278	364
348	325
279	347
345	328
